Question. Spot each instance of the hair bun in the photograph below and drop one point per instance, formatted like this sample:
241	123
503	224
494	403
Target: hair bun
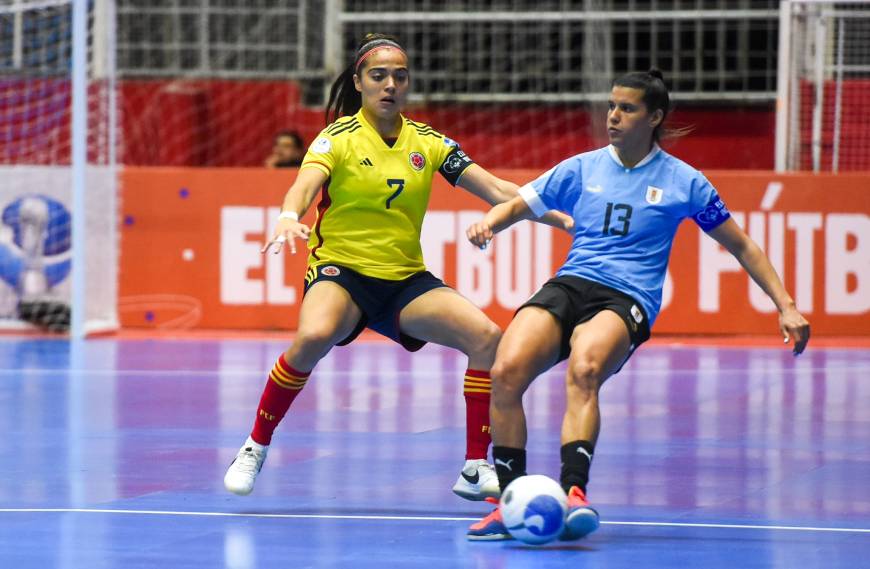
655	72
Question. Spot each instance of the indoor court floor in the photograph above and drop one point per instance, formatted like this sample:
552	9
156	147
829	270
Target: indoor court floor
710	456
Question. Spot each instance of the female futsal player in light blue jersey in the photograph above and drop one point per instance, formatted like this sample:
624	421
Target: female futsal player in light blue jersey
627	200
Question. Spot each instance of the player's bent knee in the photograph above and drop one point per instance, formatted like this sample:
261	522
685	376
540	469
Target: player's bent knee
585	374
508	378
316	339
482	343
490	338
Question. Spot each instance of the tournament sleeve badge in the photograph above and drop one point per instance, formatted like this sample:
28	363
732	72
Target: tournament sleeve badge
321	146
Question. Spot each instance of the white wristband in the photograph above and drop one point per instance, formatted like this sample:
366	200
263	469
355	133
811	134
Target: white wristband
289	215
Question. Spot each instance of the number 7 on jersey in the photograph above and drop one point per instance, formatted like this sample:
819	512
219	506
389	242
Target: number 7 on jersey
395	182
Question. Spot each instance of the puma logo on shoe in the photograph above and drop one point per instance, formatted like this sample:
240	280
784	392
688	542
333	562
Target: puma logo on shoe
505	464
472	479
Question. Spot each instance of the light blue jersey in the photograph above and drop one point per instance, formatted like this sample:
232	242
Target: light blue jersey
625	218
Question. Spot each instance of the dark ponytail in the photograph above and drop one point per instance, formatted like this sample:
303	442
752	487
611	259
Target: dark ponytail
343	96
655	97
344	99
656	73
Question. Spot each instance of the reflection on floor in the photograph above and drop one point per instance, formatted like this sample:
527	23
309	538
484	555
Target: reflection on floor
114	451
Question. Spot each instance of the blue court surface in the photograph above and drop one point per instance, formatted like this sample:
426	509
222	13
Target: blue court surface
114	451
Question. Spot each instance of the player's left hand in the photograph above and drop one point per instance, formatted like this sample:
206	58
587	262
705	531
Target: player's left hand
794	327
480	234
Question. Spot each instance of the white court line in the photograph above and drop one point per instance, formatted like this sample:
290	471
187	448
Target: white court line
403	518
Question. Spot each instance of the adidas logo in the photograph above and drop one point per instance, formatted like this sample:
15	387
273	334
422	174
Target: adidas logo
365	162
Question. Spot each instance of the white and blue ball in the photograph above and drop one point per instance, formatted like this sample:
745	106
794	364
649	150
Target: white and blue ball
533	509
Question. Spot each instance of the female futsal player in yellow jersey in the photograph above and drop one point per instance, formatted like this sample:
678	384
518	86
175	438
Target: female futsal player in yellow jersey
374	169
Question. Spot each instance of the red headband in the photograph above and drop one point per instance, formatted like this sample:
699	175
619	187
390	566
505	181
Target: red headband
365	55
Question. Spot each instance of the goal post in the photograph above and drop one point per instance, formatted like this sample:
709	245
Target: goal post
58	199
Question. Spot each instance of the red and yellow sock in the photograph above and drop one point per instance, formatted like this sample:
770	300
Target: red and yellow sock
281	389
477	389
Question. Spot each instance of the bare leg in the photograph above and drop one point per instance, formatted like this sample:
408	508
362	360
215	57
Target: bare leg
529	347
598	348
445	317
327	316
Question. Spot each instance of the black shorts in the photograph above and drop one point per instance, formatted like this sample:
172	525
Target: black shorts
380	300
574	300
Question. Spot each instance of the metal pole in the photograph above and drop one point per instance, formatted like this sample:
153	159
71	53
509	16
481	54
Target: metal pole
18	35
838	98
819	103
79	164
301	27
332	53
783	69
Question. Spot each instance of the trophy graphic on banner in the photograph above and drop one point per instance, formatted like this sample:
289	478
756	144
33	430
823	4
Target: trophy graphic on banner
33	220
40	231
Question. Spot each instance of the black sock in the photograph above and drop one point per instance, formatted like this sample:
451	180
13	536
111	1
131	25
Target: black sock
510	464
576	460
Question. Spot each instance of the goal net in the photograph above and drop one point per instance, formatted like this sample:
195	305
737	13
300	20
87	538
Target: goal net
36	199
823	111
208	83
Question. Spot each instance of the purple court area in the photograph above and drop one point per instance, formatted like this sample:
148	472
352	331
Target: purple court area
114	451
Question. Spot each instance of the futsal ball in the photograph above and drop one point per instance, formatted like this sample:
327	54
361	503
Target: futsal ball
533	509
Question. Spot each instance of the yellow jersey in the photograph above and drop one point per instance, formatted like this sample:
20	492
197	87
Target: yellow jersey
372	205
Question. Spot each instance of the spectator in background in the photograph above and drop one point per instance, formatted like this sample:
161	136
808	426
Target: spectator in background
288	149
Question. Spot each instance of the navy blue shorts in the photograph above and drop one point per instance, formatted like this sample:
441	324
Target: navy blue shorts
574	300
380	300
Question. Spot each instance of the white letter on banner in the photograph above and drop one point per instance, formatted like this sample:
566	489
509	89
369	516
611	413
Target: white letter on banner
239	255
439	228
277	292
713	261
513	265
667	290
804	226
770	238
841	261
473	266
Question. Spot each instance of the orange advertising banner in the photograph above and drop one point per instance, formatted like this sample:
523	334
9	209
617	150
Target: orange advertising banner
191	239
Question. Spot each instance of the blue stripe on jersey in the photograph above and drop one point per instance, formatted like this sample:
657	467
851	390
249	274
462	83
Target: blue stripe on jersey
625	219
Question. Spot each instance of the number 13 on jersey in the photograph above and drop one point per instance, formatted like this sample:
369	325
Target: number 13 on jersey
617	219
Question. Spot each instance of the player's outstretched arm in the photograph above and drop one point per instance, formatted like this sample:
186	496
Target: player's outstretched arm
494	190
496	219
791	323
296	202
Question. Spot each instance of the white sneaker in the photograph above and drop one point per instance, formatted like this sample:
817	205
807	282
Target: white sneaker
243	471
477	481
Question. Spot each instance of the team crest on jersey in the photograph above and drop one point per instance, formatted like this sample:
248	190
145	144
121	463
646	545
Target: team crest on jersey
654	195
330	271
417	160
